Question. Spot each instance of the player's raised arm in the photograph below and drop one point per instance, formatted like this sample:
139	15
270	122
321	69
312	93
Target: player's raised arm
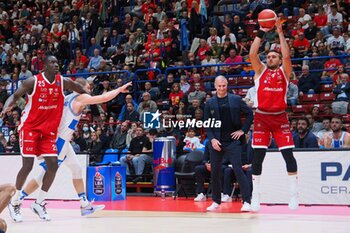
26	88
286	62
257	65
86	99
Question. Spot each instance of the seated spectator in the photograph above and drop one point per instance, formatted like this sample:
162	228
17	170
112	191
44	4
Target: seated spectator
315	112
153	91
326	131
195	104
203	48
338	138
95	61
301	44
131	114
131	133
336	42
304	18
314	126
147	99
118	141
331	64
304	138
138	145
184	85
128	99
292	94
213	36
192	142
196	94
91	50
95	148
176	94
294	126
308	83
342	90
12	145
234	58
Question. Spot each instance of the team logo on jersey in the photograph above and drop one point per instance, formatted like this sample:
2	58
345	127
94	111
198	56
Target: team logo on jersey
40	100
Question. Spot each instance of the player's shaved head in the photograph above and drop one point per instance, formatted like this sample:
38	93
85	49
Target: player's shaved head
82	81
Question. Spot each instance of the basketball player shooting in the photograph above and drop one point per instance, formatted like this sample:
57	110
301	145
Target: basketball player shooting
74	105
38	129
271	81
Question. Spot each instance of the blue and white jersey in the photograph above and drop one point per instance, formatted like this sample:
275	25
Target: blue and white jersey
68	124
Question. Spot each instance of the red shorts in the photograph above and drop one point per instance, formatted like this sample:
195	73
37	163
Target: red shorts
267	125
35	143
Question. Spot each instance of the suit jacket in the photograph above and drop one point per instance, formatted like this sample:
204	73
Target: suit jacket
338	90
237	105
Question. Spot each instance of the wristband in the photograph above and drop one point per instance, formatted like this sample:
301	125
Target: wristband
260	34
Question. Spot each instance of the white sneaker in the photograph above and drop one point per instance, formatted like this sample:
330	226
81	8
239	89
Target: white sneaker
213	207
255	204
200	197
246	207
15	212
293	202
40	210
226	198
90	209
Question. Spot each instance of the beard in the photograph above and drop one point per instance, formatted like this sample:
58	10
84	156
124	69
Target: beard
272	67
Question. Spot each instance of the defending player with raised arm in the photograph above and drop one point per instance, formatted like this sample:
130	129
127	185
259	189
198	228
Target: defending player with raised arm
271	81
38	129
74	105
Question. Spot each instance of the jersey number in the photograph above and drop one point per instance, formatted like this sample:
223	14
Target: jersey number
41	83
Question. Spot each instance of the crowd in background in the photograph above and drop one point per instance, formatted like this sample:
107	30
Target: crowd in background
111	36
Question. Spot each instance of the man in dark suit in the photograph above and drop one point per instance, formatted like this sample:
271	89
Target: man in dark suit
227	140
342	90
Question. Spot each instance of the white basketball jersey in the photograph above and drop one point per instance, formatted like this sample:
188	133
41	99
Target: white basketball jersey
69	119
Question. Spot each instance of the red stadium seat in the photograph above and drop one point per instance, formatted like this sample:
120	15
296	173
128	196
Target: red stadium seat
326	87
242	92
310	98
320	106
300	108
327	98
346	119
245	81
232	81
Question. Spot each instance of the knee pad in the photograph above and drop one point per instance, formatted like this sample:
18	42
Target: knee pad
258	159
288	157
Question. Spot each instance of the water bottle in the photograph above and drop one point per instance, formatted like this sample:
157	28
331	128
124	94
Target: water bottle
162	194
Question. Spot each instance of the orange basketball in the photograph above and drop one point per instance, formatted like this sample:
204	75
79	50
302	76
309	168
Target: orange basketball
267	18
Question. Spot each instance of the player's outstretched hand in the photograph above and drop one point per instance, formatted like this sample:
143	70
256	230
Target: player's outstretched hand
278	25
4	111
124	88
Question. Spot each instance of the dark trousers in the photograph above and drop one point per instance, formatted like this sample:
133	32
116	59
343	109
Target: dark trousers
202	173
232	151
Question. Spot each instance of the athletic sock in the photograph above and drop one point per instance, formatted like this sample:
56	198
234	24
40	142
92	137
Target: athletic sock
256	184
83	200
15	200
293	184
41	197
23	195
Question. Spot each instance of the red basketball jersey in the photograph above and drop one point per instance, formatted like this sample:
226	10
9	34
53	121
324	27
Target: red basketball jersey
44	107
271	91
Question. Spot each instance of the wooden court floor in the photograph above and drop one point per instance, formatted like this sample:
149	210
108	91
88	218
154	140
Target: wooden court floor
118	218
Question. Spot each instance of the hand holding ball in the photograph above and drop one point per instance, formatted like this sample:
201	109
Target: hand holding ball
267	19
